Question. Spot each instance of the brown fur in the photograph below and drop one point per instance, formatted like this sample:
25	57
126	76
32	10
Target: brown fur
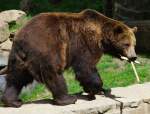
52	42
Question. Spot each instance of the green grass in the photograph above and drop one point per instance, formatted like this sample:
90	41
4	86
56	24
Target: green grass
114	73
14	27
119	73
39	92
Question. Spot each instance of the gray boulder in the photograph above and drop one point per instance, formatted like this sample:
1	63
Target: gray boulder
8	17
2	83
5	48
4	31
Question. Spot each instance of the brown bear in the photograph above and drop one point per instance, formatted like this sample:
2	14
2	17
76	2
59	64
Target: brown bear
52	42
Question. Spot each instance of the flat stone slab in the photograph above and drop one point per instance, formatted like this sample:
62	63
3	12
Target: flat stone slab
133	99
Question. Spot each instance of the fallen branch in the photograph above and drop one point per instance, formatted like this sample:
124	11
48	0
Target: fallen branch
133	66
135	72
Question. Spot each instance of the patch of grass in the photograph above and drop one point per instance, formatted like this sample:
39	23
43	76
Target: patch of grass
14	27
39	92
72	83
120	73
114	73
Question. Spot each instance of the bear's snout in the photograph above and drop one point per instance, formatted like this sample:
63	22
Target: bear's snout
131	54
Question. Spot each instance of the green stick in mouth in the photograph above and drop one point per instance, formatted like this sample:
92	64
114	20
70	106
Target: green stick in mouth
133	66
135	72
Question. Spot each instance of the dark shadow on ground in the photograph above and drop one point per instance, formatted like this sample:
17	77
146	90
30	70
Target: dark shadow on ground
50	101
80	95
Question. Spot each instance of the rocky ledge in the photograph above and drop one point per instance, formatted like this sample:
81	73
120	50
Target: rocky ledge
133	99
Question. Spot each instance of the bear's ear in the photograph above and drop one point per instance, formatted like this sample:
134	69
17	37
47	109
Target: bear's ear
118	30
134	29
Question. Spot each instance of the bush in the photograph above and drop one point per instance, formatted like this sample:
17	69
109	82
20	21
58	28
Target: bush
39	6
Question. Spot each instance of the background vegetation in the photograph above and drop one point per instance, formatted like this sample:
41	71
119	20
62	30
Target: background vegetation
37	6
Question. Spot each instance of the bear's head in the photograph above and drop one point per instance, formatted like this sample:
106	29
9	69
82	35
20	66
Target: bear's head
119	40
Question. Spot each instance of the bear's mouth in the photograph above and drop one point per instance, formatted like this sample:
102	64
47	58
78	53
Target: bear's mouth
127	59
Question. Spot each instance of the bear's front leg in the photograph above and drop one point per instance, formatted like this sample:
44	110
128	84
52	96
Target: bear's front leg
56	84
89	78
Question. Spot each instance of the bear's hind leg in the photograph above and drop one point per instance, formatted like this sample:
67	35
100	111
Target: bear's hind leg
15	82
10	97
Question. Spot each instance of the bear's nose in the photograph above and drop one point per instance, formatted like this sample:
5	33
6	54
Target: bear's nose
133	58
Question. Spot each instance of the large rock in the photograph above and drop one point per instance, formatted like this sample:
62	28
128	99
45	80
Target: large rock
5	48
11	15
7	17
2	83
4	31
